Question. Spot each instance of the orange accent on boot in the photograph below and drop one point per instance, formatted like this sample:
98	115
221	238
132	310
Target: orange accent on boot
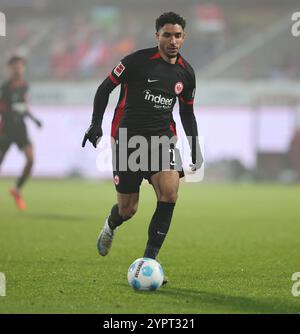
18	199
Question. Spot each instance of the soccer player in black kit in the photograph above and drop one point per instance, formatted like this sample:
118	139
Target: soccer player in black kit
151	81
13	111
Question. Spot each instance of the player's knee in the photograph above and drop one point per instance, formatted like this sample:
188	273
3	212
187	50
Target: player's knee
29	162
169	196
128	211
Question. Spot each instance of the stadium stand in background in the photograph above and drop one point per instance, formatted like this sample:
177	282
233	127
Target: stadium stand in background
247	66
79	42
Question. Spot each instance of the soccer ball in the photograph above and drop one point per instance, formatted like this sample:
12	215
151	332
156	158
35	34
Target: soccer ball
145	274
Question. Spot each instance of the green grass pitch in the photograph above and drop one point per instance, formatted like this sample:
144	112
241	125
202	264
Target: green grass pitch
230	249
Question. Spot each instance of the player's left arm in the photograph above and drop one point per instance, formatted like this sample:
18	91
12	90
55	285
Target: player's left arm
28	113
37	122
188	120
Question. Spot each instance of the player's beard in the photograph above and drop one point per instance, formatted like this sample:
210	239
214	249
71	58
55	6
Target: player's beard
171	56
166	51
17	76
171	53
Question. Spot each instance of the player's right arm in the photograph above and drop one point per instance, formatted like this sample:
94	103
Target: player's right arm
2	100
119	74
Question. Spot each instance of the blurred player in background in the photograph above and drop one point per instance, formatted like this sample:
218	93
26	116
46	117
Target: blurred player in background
13	111
151	82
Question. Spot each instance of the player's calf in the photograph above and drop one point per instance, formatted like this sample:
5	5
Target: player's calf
118	217
107	234
25	175
158	228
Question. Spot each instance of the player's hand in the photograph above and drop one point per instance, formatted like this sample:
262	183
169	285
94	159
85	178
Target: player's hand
38	123
93	134
197	161
196	166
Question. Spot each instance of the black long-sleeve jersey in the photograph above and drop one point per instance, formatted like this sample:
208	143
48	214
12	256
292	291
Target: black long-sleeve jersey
150	87
13	105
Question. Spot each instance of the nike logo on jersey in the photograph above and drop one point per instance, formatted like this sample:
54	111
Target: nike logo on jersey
149	80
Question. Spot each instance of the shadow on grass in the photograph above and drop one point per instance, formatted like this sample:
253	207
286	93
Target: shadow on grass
236	304
57	217
233	303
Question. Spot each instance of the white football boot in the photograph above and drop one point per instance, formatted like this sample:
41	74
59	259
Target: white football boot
105	239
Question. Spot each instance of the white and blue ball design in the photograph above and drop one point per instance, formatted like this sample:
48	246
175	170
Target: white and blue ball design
145	274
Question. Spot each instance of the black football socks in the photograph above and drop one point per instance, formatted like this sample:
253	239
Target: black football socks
115	220
158	228
25	175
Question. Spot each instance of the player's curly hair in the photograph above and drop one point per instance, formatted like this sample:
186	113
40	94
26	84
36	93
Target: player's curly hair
169	17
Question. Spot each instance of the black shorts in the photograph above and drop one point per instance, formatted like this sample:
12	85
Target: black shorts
128	176
18	136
